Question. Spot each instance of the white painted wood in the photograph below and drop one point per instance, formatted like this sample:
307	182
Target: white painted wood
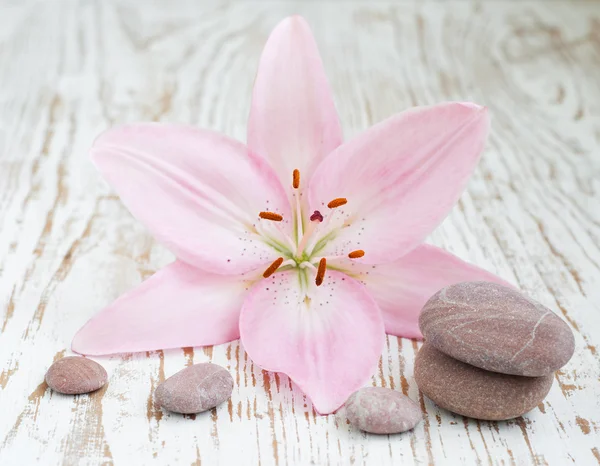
70	69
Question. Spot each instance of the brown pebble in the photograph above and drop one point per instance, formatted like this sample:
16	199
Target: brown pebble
477	393
195	389
75	375
496	328
382	411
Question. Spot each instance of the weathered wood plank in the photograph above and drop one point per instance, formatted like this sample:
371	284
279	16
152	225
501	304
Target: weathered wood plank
68	247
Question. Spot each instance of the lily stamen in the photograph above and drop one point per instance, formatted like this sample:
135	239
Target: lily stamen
337	202
271	216
321	271
332	258
298	213
356	254
273	267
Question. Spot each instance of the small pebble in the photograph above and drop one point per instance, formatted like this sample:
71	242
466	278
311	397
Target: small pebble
75	375
382	411
496	328
195	389
477	393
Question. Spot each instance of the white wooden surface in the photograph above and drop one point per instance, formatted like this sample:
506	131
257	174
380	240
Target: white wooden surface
68	247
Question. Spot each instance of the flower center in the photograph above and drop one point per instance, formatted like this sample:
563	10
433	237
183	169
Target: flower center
300	252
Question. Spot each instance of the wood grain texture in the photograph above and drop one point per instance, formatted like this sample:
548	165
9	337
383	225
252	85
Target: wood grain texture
68	247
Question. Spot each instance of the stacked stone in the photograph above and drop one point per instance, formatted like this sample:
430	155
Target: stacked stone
490	352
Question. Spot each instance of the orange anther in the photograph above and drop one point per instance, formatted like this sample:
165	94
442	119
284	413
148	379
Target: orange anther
337	202
271	216
321	271
356	254
296	179
273	267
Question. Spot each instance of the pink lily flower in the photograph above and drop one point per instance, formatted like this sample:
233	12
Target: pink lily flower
308	248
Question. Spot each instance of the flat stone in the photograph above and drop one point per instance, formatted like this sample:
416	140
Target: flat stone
195	389
75	375
382	411
477	393
496	328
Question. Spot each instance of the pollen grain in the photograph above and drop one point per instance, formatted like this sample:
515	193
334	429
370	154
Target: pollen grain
271	216
337	202
273	267
321	271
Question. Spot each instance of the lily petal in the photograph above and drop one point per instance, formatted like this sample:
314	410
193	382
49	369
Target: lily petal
401	178
178	306
328	342
198	192
293	121
402	288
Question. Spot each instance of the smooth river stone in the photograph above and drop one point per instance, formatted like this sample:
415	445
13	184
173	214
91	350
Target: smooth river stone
195	389
74	375
477	393
496	328
382	411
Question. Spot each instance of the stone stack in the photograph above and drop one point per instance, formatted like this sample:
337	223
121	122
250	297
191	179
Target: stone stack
490	352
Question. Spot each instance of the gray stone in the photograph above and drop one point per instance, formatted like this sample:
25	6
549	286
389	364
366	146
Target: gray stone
496	328
74	375
195	389
382	411
473	392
